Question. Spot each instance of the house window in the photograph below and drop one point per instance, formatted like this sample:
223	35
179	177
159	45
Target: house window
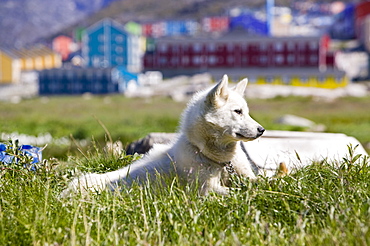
212	47
163	48
263	60
185	60
163	61
269	79
230	59
105	63
230	47
278	46
119	49
119	60
254	46
97	87
313	59
279	59
291	46
212	60
29	63
244	59
321	79
263	46
291	59
95	61
196	60
48	61
185	47
286	80
220	47
38	63
302	46
174	61
119	39
304	79
175	48
197	47
314	45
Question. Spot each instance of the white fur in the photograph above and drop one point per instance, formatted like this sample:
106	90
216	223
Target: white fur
211	128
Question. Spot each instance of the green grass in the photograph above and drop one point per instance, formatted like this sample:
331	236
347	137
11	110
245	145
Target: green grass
130	119
323	204
79	118
345	115
64	116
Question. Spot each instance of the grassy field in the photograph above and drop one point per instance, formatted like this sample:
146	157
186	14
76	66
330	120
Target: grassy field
324	204
318	205
130	119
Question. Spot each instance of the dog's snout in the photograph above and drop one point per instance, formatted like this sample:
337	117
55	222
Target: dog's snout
260	131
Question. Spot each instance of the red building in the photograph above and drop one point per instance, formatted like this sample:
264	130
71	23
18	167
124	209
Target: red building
234	51
157	29
215	24
62	45
362	11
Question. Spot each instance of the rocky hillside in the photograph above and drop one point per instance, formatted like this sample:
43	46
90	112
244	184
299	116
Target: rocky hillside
25	21
28	21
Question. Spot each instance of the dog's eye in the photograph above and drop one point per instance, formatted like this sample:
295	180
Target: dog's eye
238	111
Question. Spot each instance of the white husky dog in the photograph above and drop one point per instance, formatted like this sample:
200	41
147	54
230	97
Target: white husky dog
208	146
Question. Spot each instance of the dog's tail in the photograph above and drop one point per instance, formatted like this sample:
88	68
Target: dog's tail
282	170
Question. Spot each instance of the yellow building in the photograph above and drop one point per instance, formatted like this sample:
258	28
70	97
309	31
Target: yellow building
10	69
39	58
329	79
13	62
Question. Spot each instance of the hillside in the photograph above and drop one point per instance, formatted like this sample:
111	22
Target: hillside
148	10
29	21
167	9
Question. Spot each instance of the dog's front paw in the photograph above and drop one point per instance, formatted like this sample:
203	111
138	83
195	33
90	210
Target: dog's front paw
221	190
83	184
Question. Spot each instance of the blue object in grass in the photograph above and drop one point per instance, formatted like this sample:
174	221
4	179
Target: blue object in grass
34	152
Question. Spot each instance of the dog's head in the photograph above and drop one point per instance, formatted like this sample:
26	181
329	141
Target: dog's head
227	111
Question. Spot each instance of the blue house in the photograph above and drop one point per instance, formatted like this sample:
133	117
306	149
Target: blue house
107	44
249	23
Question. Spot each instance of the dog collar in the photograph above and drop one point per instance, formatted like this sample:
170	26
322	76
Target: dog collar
230	168
227	165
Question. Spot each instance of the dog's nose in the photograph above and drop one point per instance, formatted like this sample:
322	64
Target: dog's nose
260	131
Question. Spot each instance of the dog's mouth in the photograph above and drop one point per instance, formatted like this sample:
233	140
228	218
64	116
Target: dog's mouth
240	136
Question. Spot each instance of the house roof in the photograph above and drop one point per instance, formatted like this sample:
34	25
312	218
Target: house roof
39	50
236	36
9	52
105	22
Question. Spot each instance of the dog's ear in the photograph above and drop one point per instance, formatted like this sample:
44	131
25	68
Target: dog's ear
219	94
240	87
